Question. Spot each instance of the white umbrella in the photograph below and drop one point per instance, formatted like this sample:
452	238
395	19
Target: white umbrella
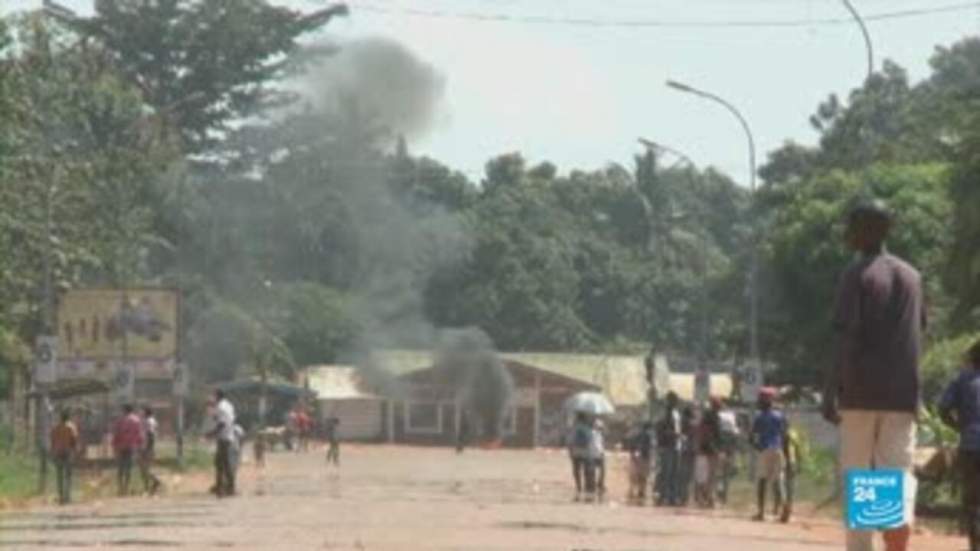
592	403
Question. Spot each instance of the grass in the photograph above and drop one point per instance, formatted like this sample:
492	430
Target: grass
19	474
18	477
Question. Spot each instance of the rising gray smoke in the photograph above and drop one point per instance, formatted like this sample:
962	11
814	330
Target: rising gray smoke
388	81
466	358
374	90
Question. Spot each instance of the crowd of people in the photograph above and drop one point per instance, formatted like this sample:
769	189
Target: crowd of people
689	454
133	438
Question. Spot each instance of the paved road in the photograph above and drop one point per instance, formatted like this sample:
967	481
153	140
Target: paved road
394	498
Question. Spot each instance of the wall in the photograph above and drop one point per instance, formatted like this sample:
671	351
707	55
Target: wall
360	419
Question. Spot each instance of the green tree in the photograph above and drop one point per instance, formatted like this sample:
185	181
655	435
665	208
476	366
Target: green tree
206	62
805	254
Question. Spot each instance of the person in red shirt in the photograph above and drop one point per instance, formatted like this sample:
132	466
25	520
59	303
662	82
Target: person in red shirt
127	441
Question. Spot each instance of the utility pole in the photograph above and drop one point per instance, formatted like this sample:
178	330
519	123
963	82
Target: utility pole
755	367
45	358
702	352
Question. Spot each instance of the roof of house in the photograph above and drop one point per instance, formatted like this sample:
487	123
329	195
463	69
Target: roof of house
254	385
682	384
622	378
337	382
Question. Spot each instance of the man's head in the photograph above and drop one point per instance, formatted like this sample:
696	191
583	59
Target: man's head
581	417
868	224
65	415
147	412
973	355
715	403
767	395
672	399
127	408
219	395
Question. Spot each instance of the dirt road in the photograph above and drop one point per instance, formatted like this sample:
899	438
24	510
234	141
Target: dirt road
396	498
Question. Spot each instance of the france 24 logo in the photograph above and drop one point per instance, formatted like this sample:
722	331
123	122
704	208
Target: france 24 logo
875	499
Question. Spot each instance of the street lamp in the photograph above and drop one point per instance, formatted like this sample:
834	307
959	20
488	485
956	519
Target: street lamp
703	337
754	264
869	48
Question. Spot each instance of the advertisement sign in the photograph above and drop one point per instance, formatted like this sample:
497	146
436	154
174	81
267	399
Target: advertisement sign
106	324
103	369
875	499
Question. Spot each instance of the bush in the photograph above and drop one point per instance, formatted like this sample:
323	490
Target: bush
942	361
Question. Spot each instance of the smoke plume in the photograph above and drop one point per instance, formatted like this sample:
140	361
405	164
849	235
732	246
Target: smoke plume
466	359
388	81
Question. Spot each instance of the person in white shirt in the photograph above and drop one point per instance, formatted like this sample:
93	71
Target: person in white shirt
236	448
151	484
224	435
597	454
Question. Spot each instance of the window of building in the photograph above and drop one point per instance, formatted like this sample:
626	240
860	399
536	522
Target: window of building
423	417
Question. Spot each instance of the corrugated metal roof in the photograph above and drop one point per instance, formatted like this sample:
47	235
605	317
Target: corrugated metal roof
336	382
622	378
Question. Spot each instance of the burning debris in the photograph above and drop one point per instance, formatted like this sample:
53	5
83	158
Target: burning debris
466	358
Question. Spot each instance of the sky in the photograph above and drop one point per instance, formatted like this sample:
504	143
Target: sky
580	95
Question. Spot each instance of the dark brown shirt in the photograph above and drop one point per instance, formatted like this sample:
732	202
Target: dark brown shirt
878	318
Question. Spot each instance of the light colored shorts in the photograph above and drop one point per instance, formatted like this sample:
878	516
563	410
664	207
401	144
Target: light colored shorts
770	464
881	440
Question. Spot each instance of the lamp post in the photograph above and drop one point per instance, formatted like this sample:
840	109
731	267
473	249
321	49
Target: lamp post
868	46
754	262
703	329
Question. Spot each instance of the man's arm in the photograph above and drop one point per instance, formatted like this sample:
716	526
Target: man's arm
947	405
787	445
846	324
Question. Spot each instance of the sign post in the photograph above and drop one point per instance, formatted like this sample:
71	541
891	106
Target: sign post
45	375
181	385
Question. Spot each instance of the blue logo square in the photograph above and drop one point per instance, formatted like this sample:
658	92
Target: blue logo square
875	499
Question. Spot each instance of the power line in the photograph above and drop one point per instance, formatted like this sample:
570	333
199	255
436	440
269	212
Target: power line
487	17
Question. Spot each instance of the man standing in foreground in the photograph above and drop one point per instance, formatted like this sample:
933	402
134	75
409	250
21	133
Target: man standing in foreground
872	389
224	435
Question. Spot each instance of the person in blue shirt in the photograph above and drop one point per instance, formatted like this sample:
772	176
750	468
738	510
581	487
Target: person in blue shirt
769	438
960	409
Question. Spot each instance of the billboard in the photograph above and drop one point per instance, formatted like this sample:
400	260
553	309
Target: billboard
101	325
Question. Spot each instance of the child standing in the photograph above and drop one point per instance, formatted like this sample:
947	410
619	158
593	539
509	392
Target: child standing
960	408
769	437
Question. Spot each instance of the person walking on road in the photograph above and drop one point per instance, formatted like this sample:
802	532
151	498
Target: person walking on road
333	441
872	389
709	450
729	449
769	437
960	409
224	435
640	447
64	445
578	440
127	441
794	457
151	484
668	447
597	455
